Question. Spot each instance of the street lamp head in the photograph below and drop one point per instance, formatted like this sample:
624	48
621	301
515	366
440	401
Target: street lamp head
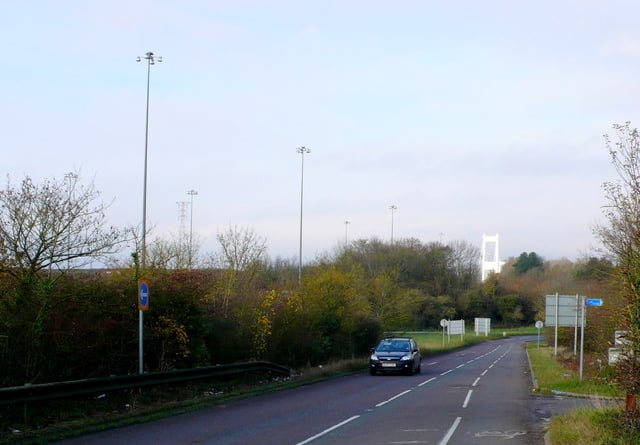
303	150
151	57
393	207
192	192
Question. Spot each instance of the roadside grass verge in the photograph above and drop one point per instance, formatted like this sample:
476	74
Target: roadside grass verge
589	426
554	378
599	425
434	343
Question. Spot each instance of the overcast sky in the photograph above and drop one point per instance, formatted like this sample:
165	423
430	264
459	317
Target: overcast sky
470	117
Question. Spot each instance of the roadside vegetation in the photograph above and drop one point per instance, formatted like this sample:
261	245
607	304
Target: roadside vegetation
606	422
62	320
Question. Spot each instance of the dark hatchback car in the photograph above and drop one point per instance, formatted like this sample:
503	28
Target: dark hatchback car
395	354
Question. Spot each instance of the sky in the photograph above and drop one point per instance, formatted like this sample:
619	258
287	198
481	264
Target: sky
469	117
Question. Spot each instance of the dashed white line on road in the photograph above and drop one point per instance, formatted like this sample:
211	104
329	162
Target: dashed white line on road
430	380
466	401
445	440
328	430
393	398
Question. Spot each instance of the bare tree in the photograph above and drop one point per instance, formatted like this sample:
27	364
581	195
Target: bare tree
51	226
242	250
465	258
621	238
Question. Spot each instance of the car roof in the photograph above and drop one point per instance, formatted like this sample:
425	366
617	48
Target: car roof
397	338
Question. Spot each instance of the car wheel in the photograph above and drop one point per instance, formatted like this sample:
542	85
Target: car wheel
372	371
418	370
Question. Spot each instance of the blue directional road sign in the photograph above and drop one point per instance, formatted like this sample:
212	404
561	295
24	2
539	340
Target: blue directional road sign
593	302
143	295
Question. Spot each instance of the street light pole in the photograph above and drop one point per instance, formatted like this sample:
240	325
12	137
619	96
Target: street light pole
191	193
72	178
151	60
392	208
346	225
302	150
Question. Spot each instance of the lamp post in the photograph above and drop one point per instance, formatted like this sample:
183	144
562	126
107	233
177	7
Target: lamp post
302	150
392	208
72	178
346	226
151	60
191	193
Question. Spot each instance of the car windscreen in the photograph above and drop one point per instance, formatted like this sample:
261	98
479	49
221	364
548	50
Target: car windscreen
393	345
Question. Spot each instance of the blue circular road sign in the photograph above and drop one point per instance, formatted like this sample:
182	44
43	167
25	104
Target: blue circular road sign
143	295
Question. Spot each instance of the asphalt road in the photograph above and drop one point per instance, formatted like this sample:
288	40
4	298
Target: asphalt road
479	395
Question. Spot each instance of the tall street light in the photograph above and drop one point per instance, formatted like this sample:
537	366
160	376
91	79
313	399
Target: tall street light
346	225
191	193
393	208
72	178
151	60
302	150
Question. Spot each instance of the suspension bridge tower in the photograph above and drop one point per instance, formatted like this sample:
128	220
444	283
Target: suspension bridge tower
490	255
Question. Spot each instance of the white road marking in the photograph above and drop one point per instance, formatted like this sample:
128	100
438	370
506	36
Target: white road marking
466	401
446	372
328	430
430	380
445	440
476	382
393	398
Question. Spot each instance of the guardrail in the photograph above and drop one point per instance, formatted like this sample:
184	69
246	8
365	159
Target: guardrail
58	390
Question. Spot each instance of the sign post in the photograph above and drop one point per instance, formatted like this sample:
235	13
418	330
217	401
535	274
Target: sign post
143	305
539	325
594	302
444	323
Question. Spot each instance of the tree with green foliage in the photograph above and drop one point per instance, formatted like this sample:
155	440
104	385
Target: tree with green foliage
526	262
621	238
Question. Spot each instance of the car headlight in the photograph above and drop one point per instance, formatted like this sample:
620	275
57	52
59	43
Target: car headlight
374	357
406	357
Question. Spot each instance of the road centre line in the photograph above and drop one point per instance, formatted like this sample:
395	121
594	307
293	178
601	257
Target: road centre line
445	440
430	380
484	372
476	382
466	400
328	430
446	372
393	398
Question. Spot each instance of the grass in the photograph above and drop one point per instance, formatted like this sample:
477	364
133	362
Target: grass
587	426
434	343
553	377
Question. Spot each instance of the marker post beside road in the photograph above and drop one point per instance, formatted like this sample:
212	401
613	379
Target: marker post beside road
539	325
594	302
143	305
